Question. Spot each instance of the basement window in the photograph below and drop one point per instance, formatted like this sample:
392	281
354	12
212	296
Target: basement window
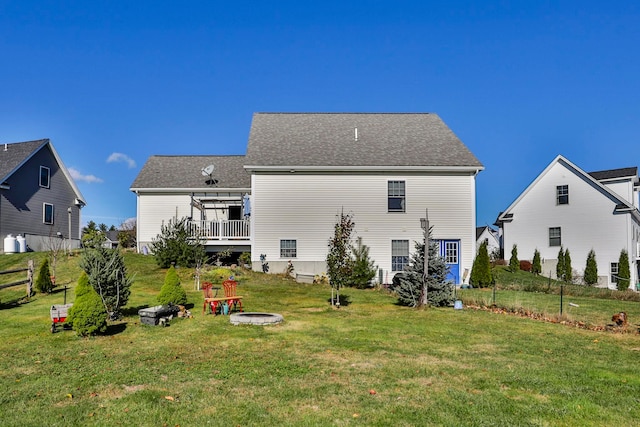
288	248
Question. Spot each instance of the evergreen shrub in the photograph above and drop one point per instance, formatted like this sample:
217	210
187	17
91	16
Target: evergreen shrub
481	270
172	292
536	266
591	270
87	316
43	281
514	263
624	273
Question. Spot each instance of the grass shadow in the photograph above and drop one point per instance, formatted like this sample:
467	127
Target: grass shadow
5	305
132	311
115	328
344	300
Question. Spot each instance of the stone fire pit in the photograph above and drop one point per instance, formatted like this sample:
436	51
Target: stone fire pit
255	318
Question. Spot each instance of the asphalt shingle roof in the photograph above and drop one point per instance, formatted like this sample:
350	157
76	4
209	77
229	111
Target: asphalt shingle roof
614	173
186	172
329	140
15	154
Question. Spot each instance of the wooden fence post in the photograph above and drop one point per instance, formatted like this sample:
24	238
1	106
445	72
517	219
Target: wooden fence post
30	278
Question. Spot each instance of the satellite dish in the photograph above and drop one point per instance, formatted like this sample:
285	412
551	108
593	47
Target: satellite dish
208	170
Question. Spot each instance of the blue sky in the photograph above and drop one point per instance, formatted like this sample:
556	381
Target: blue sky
114	82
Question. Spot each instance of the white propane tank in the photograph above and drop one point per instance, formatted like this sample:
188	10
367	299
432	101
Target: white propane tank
22	244
9	244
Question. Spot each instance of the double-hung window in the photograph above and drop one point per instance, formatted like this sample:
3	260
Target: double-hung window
45	176
555	236
562	195
47	213
614	272
399	254
396	196
288	248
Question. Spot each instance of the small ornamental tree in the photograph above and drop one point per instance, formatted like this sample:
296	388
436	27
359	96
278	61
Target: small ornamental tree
363	268
172	292
591	270
174	245
514	263
339	262
43	281
481	271
536	266
624	273
108	277
409	284
568	271
560	267
87	316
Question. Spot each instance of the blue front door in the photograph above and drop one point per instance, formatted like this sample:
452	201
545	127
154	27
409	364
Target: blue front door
450	251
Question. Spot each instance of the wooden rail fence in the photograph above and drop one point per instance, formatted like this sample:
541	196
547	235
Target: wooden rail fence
28	281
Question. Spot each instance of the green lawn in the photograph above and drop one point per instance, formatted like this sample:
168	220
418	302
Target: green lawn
370	363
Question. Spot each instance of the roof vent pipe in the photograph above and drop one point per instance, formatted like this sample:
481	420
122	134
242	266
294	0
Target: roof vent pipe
356	134
5	146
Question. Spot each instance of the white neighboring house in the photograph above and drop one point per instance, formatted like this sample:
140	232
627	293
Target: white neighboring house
214	200
489	235
385	169
580	211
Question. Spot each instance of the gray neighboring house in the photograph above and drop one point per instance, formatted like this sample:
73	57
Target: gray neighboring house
38	197
212	192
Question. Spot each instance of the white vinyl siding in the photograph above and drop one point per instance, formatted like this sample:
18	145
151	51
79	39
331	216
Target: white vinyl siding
307	205
155	210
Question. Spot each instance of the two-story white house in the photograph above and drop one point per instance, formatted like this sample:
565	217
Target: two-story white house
387	170
566	206
281	201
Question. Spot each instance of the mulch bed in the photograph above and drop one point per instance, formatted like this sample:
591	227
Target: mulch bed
521	312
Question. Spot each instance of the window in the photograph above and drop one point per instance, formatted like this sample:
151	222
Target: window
451	252
555	236
614	272
47	213
45	174
288	248
399	254
562	195
396	196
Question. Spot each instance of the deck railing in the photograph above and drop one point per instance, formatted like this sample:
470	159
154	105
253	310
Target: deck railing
220	229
